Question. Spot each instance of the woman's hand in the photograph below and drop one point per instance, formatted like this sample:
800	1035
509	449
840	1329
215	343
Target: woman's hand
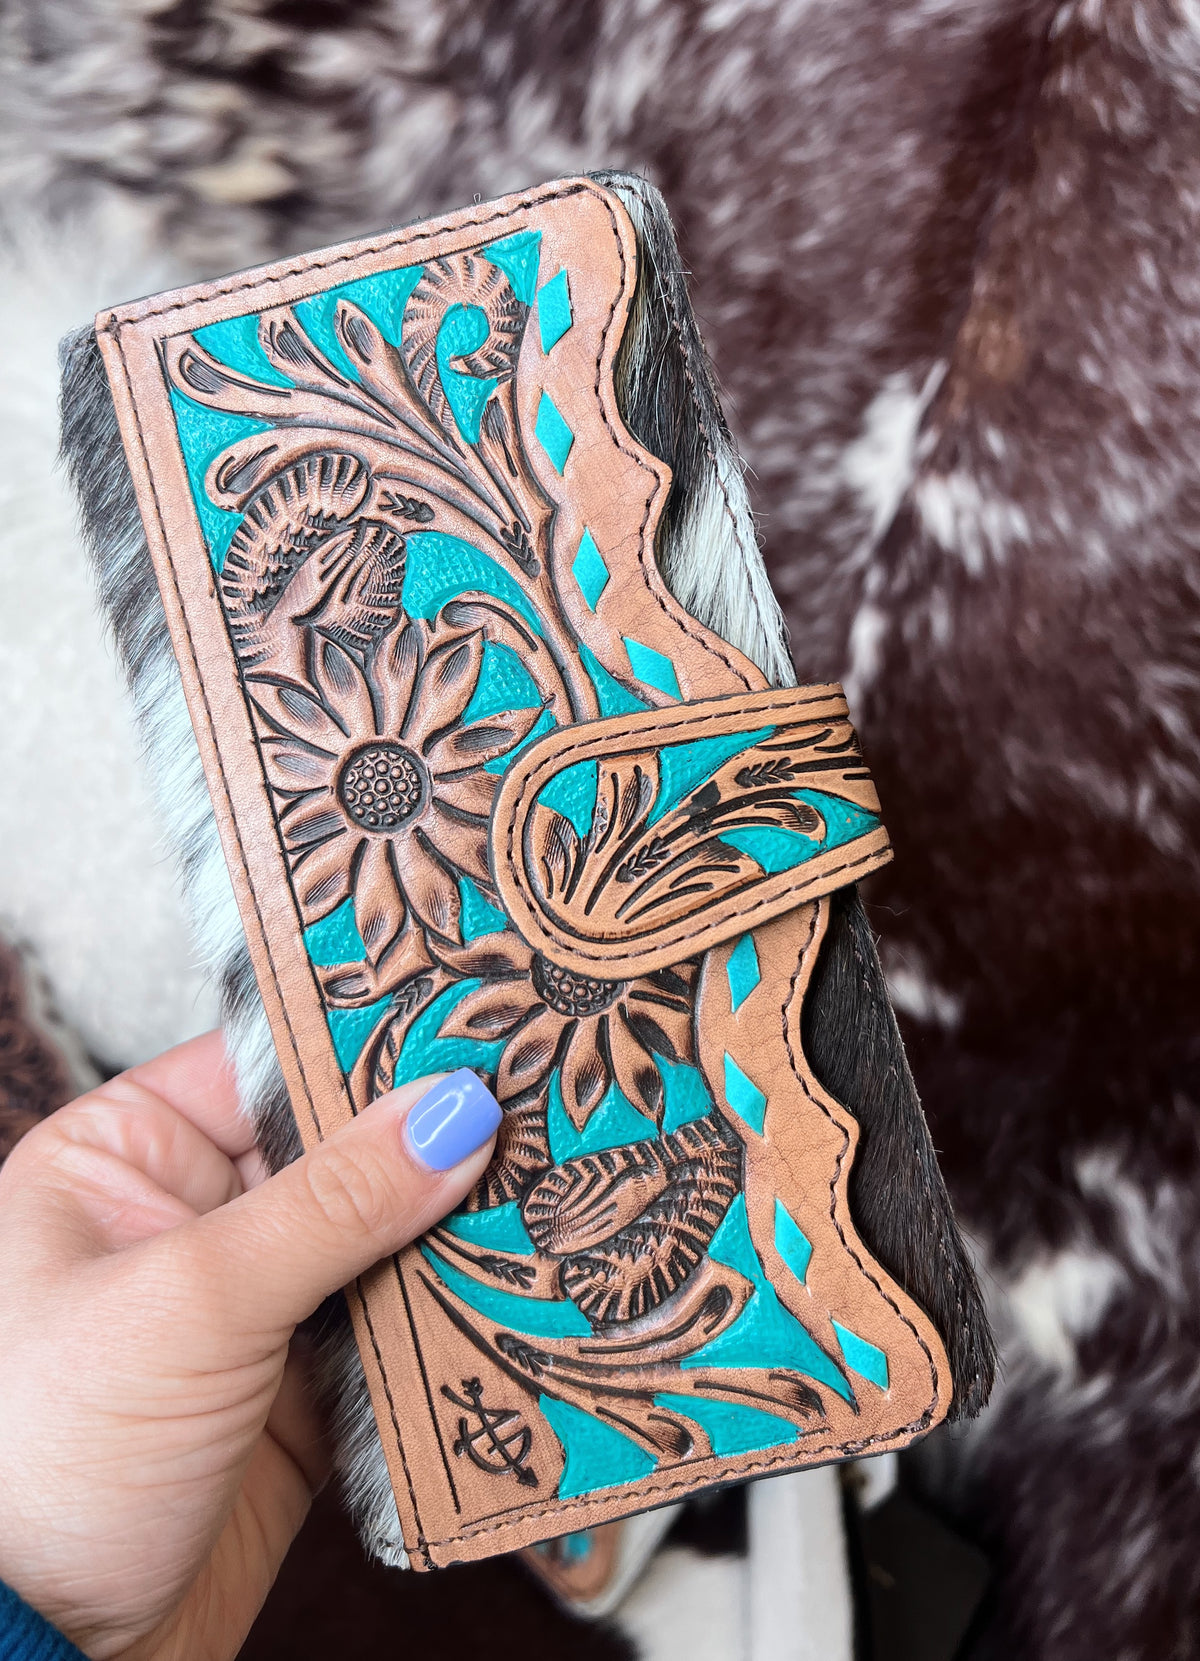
157	1450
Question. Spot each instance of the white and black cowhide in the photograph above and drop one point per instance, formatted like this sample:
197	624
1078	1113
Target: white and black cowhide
945	257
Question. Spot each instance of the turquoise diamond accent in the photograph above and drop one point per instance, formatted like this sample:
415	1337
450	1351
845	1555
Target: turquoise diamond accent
744	1096
743	972
765	1334
554	436
589	570
554	310
651	666
863	1358
791	1242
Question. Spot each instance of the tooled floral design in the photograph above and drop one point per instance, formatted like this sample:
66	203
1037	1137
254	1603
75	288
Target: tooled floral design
382	788
383	783
351	465
596	1032
394	536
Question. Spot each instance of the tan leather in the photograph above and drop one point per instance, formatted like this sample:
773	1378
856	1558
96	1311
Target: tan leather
610	1326
651	883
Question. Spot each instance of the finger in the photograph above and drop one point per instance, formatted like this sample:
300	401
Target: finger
252	1168
262	1263
107	1171
196	1079
294	1421
221	1604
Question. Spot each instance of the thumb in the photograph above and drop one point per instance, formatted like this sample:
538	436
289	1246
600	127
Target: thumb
263	1262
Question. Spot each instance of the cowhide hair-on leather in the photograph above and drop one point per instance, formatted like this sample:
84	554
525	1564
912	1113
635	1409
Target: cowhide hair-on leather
710	557
945	260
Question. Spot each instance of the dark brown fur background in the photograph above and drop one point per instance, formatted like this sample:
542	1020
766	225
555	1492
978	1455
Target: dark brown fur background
947	258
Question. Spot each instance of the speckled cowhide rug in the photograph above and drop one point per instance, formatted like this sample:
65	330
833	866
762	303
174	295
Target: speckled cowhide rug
946	258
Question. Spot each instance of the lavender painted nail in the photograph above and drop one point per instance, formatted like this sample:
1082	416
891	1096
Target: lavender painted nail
453	1118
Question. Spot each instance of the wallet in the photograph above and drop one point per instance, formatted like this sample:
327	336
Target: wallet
501	747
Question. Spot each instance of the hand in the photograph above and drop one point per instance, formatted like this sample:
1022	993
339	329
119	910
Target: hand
157	1449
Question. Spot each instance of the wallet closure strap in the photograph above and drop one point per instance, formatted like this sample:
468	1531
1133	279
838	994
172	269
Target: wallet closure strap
626	845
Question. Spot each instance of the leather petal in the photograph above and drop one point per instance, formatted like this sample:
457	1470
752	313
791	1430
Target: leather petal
636	1075
466	845
379	908
469	790
394	670
502	953
663	1027
347	695
490	1012
448	681
529	1055
315	822
291	709
585	1073
294	765
481	741
322	877
430	890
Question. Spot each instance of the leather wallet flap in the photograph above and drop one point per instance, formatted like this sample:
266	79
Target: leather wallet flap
631	843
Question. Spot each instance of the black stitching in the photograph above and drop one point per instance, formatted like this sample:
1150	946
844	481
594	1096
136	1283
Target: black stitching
783	698
653	579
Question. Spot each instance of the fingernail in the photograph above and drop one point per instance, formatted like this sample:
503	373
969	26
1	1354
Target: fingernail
453	1118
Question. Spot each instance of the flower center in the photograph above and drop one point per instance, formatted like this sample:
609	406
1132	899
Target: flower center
571	994
381	786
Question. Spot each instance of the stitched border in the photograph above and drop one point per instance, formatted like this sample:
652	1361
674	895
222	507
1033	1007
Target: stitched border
800	1072
741	1467
422	1543
276	273
671	609
696	1474
212	733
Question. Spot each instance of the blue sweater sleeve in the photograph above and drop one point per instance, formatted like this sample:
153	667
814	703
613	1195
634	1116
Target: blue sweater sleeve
25	1636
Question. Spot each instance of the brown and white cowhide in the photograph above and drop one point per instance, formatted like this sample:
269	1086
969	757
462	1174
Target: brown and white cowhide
945	253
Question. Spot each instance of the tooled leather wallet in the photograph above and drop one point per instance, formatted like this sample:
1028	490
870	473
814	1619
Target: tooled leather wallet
492	797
